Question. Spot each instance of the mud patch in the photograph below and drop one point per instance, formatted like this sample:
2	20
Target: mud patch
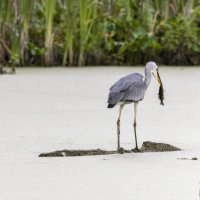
157	147
91	152
146	147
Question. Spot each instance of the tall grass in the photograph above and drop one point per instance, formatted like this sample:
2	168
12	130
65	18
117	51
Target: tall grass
3	5
49	13
79	32
15	35
71	14
87	16
26	8
6	17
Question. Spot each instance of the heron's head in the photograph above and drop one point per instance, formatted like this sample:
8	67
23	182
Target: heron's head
153	69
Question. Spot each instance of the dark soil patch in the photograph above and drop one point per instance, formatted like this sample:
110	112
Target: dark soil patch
63	153
146	147
157	147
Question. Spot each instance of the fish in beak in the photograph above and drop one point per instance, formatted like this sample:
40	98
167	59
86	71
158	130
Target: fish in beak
161	89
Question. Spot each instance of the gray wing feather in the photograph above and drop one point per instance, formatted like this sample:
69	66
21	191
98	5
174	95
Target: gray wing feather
117	93
125	82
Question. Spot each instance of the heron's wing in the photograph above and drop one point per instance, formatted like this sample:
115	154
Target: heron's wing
118	90
125	82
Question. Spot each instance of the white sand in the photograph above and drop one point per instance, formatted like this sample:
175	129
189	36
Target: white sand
43	110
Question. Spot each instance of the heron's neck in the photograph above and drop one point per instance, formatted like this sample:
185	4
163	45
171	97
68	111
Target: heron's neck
147	77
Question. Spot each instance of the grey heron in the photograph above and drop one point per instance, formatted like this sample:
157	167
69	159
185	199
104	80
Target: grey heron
131	89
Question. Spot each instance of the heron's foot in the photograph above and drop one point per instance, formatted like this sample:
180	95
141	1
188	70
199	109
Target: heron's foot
136	150
121	150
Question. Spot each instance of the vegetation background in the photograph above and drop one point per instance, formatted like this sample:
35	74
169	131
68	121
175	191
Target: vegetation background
99	32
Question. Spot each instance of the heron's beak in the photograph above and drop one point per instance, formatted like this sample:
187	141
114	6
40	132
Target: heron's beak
157	77
161	90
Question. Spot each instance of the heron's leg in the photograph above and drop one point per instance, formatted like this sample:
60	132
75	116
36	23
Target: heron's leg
134	125
118	126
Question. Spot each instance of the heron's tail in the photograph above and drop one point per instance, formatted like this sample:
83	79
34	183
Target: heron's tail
111	105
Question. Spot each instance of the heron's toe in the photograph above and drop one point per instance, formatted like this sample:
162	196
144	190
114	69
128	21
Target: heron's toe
121	150
136	150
